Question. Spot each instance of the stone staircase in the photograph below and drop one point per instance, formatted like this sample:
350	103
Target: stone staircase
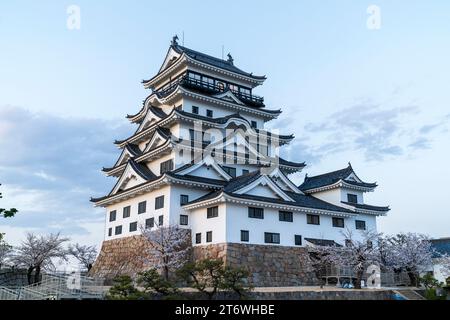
409	294
57	287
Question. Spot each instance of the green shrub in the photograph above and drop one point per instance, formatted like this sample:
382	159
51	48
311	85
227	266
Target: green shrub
124	289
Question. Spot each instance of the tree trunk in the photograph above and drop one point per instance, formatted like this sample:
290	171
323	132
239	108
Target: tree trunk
412	278
37	274
359	275
29	272
166	273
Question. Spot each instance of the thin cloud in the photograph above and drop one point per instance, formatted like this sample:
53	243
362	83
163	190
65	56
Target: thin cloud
52	168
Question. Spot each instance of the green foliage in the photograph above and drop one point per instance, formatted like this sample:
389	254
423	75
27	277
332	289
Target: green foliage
153	282
7	213
429	282
124	289
431	294
235	279
209	275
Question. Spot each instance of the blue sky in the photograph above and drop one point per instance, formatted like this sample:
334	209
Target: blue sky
377	98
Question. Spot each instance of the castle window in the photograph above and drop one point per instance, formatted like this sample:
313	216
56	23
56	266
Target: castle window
298	240
286	216
166	166
245	171
209	236
209	113
159	202
245	91
109	232
184	199
112	216
352	198
254	124
271	237
160	220
142	207
360	225
118	230
233	87
149	223
312	219
230	170
194	109
212	212
126	212
198	238
184	220
220	86
133	226
195	76
245	235
338	222
256	213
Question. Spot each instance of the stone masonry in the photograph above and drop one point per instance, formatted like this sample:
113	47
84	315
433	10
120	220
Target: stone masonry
269	266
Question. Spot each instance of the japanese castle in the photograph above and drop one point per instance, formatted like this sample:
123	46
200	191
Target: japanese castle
201	159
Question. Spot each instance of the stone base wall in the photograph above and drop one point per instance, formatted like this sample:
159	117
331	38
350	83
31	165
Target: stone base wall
125	256
269	266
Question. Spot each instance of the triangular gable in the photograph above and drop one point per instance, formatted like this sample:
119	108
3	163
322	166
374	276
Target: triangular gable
124	156
353	177
157	140
229	96
283	182
264	187
241	145
149	119
129	178
203	169
171	57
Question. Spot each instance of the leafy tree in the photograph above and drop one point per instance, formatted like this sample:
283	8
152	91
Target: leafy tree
153	282
204	275
36	253
7	213
124	289
84	254
235	279
428	281
210	275
169	246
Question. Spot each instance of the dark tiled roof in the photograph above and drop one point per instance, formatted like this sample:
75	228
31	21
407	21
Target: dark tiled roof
158	112
303	201
331	178
287	163
216	62
366	206
133	149
441	246
197	179
323	242
142	170
241	181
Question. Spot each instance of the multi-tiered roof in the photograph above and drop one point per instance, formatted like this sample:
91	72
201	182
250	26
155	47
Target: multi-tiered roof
153	139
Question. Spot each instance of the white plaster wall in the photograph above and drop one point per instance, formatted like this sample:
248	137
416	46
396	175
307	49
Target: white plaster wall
134	216
237	220
176	209
345	191
200	224
155	165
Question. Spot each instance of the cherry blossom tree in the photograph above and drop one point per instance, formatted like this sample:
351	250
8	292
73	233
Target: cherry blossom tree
357	254
410	252
36	253
5	252
84	254
169	247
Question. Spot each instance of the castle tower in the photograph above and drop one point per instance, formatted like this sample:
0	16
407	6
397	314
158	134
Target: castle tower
200	158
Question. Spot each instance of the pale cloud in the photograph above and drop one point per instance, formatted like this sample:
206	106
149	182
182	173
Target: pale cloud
53	168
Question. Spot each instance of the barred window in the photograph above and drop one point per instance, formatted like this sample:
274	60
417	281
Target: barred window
212	212
126	212
338	222
166	166
184	220
159	202
112	216
256	213
245	235
286	216
271	237
149	223
142	207
312	219
133	226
